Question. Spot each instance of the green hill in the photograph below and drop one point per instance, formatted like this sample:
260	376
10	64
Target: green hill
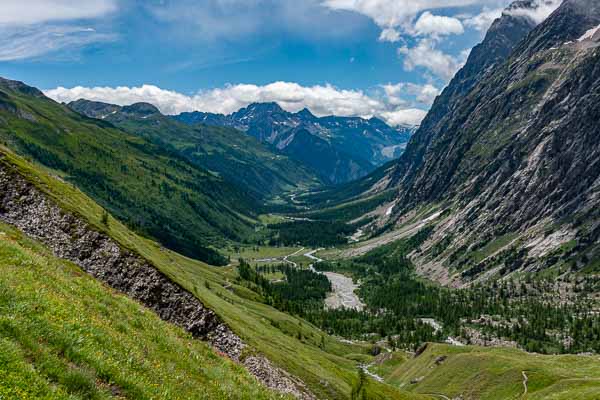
151	188
325	364
493	373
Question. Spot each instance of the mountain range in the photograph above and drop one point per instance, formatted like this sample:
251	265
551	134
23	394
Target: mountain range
153	256
340	149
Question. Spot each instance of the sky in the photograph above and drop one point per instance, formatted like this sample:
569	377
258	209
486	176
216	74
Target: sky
385	58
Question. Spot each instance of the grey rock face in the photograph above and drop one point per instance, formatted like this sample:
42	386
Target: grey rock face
71	238
512	147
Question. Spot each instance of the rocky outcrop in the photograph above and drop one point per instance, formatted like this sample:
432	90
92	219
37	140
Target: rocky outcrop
71	238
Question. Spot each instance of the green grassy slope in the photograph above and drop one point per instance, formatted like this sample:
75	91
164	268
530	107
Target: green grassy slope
236	156
150	188
63	335
495	373
289	342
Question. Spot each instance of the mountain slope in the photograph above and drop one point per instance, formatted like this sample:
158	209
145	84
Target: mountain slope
114	254
355	145
235	156
151	188
63	335
509	154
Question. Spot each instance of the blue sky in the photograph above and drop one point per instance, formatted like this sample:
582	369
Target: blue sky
348	57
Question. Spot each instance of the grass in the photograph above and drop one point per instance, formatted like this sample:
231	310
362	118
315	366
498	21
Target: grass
328	373
64	335
253	253
496	373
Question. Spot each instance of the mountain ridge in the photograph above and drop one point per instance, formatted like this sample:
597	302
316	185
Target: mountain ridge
149	186
355	144
509	150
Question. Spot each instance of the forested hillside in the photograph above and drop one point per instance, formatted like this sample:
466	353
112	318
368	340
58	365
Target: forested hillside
152	188
256	169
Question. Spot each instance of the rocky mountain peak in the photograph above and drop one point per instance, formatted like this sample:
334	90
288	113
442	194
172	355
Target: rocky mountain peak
305	114
270	107
93	109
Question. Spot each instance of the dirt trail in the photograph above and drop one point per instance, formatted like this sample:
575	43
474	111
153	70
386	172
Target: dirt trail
525	379
285	259
441	396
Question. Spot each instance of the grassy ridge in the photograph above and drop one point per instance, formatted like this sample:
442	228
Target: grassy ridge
63	335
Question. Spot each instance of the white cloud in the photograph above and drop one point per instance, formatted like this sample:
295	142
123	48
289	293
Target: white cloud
399	18
482	21
25	12
424	94
426	55
410	117
32	28
214	20
389	35
394	13
35	41
538	13
321	100
435	25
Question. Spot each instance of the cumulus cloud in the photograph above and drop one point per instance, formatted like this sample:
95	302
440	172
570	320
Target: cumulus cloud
396	93
321	100
427	56
394	13
538	13
389	35
404	117
415	18
435	25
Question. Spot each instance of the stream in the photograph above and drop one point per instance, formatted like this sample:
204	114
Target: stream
343	295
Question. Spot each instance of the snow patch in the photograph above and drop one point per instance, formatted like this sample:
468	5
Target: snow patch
589	34
389	210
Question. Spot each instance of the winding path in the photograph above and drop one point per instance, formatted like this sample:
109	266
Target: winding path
441	396
525	379
285	259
